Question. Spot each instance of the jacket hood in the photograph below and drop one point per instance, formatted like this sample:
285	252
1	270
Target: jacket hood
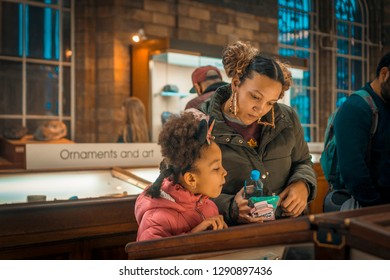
173	196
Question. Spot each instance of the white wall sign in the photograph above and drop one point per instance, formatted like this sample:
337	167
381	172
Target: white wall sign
49	156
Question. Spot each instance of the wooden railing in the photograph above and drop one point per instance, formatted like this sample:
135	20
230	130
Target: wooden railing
332	235
245	236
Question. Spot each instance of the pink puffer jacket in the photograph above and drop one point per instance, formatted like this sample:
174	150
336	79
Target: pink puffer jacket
175	212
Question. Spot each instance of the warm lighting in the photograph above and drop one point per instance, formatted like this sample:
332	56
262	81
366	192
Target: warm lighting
138	36
68	53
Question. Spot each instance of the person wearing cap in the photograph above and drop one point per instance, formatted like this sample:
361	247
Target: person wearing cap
205	80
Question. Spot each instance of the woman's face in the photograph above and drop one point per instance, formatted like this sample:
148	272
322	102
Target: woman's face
255	97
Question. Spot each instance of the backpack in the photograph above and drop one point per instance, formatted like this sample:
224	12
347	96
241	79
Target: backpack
328	160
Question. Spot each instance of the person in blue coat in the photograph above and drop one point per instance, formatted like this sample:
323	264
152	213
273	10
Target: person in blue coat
368	182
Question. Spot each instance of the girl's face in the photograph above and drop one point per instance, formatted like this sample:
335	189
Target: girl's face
255	97
209	176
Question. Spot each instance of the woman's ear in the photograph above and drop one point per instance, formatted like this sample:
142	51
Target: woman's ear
235	83
190	180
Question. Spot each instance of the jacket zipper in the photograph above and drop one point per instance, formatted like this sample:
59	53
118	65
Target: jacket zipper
198	211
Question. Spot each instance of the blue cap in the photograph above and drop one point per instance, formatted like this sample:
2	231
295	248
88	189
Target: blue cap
255	174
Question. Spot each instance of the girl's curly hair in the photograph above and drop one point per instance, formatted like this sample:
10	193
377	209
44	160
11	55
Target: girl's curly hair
180	148
242	60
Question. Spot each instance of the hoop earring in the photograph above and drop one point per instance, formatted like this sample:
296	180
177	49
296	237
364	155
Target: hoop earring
272	124
233	105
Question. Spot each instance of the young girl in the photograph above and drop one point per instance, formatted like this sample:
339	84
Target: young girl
191	172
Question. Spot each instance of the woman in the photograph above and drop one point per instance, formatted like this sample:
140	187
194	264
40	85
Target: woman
135	128
255	132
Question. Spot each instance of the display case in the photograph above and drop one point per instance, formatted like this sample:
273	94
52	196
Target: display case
70	214
170	75
73	185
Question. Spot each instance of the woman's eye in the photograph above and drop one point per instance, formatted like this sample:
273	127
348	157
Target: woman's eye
256	97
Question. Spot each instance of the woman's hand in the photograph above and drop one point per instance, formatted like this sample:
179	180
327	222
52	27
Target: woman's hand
293	199
212	223
244	216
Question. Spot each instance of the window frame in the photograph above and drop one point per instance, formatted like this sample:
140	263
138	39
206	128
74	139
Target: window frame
24	117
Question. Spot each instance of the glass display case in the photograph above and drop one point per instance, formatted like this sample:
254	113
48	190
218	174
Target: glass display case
70	185
170	75
70	214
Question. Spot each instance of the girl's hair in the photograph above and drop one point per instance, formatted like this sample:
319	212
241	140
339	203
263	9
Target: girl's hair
241	60
135	127
180	147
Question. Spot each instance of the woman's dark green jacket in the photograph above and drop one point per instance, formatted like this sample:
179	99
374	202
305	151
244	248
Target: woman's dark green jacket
282	155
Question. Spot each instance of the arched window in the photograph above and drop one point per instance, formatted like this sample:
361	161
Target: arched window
352	48
297	20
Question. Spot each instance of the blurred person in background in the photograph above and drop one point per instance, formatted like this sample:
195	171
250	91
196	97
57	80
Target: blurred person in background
135	128
205	80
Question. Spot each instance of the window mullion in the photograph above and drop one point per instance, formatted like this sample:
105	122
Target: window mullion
24	66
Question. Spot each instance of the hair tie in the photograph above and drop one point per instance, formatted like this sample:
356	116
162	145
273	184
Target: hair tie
167	172
204	131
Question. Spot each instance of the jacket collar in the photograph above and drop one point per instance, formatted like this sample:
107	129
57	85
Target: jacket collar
214	87
180	194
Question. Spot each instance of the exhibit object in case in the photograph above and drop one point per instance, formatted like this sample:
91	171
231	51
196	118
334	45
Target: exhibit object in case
13	152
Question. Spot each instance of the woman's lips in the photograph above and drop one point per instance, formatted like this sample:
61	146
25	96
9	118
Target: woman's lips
253	116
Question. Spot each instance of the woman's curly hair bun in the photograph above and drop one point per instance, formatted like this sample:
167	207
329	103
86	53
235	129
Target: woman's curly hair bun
236	57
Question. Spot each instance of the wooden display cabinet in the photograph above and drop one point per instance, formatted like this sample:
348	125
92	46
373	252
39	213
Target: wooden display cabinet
87	214
317	205
87	229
